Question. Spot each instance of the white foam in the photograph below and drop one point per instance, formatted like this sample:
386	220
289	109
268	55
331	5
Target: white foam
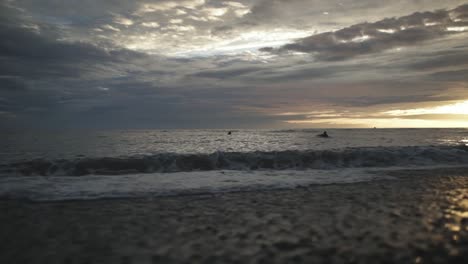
56	188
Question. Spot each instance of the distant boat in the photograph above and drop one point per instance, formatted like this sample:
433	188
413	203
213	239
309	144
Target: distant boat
230	132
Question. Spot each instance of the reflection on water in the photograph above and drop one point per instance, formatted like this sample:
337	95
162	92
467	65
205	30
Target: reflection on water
443	208
457	212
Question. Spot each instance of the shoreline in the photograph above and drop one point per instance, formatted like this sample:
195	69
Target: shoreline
418	218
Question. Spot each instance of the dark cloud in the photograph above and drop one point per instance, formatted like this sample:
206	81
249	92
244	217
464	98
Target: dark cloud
335	14
453	76
9	83
228	73
450	58
222	30
307	72
367	38
29	54
23	43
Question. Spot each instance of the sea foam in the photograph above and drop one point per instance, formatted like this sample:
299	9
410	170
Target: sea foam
59	188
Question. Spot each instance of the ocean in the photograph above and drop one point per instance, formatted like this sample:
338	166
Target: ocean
86	165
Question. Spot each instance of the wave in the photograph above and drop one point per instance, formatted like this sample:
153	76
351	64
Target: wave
278	160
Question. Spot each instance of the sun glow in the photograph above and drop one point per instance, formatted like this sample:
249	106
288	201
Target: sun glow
381	122
460	108
450	115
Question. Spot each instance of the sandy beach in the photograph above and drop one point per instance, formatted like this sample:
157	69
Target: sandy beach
416	218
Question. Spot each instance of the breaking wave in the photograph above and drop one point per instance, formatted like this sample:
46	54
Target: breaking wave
278	160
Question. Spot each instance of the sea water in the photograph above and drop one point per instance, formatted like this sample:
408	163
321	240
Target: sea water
56	165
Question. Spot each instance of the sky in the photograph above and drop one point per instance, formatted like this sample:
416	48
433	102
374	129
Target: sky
233	64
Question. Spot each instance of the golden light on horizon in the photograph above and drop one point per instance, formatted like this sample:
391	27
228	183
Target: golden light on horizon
449	115
460	108
384	122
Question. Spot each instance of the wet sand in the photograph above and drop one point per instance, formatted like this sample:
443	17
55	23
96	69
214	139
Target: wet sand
418	218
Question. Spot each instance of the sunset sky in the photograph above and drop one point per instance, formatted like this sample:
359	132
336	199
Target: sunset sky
233	64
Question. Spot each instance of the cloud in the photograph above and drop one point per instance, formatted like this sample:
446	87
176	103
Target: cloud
123	21
168	5
61	66
12	83
455	57
109	27
368	38
144	25
30	54
366	101
457	75
227	73
150	24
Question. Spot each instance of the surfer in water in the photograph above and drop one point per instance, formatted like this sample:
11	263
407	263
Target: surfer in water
324	134
230	132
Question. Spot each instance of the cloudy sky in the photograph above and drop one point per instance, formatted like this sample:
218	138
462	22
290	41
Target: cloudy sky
233	64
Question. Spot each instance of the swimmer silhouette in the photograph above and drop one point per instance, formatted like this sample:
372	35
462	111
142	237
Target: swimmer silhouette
324	134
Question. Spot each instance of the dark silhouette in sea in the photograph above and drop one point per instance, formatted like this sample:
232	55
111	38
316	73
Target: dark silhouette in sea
324	134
